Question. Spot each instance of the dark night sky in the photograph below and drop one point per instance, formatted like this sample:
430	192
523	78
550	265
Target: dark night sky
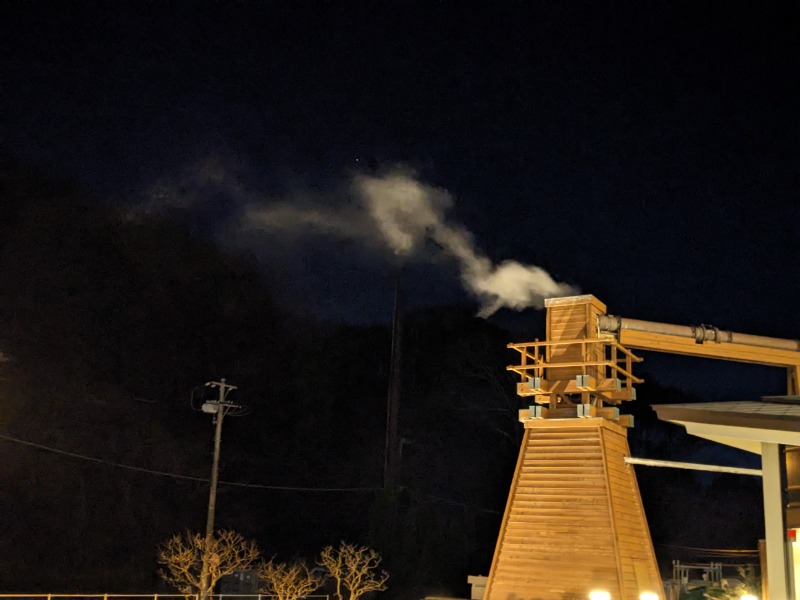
645	152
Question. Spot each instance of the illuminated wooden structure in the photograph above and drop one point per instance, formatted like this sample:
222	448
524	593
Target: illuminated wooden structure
577	365
778	452
574	521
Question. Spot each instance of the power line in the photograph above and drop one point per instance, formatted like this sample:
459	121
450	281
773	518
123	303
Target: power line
460	504
119	465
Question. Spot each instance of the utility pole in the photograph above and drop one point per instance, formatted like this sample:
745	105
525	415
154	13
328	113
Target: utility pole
217	408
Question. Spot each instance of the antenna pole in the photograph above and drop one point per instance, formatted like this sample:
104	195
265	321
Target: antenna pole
391	467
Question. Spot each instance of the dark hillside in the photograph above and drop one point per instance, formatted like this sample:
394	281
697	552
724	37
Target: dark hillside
108	324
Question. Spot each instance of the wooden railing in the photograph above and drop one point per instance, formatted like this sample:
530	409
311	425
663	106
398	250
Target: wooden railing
23	596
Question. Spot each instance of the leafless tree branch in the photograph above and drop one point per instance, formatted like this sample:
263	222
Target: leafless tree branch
288	581
354	568
182	556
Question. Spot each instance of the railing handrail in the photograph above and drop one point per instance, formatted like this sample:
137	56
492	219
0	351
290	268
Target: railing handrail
155	596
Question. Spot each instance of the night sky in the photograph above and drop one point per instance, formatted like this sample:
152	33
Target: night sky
646	153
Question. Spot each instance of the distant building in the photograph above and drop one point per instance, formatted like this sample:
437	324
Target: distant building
243	582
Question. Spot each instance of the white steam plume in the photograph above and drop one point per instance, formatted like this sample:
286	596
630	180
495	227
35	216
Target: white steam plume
407	212
303	214
395	211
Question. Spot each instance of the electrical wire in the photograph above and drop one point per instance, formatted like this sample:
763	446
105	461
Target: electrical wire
118	465
460	504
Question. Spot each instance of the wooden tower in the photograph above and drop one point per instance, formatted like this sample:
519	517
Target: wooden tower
574	520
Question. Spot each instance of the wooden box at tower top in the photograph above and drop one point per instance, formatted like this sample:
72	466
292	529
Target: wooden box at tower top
574	319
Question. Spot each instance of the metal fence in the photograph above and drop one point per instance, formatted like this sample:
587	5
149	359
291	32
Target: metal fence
151	596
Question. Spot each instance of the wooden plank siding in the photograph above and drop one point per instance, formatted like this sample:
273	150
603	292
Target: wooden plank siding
574	321
574	520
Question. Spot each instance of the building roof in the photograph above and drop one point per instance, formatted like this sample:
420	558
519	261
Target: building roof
743	425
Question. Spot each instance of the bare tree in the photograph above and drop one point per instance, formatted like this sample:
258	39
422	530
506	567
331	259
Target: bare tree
354	568
182	555
288	581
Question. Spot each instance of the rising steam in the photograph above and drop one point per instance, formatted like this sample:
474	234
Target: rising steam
405	214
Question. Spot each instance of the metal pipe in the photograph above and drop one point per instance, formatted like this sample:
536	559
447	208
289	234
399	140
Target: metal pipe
650	462
699	333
